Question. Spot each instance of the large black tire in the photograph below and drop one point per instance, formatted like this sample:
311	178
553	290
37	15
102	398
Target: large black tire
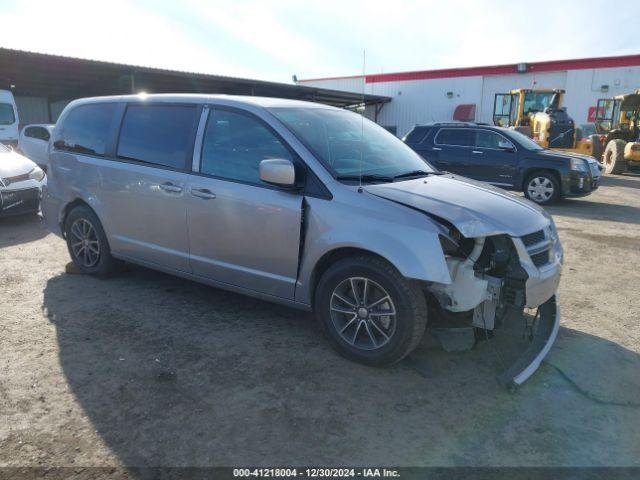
613	158
542	178
379	339
596	147
93	256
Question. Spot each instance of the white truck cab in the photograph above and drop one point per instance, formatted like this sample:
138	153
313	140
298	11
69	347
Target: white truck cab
8	119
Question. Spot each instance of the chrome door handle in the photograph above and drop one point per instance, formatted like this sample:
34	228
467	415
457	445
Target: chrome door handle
436	149
477	152
203	193
170	187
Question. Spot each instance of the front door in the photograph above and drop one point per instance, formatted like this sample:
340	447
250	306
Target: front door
242	231
493	158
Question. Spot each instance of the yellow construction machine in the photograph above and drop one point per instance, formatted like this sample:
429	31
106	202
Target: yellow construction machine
539	114
618	119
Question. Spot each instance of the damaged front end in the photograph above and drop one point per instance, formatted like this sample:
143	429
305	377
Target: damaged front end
494	280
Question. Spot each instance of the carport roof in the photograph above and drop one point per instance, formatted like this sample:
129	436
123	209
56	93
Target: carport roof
61	78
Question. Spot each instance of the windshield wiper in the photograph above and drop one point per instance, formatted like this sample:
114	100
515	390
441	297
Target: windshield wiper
415	173
367	177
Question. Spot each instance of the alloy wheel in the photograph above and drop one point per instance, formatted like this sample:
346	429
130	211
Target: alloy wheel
540	189
85	244
363	313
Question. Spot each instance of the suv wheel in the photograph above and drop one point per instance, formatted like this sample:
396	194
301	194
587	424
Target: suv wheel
542	188
87	242
369	311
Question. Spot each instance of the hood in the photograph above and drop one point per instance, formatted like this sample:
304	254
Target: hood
13	164
568	155
476	209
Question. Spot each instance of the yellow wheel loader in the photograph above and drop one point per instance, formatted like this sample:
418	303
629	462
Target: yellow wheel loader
618	118
539	114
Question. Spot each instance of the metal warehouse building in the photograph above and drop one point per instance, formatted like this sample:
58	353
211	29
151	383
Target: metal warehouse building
435	95
43	85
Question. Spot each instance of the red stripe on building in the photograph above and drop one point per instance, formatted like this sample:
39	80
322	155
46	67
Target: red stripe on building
533	67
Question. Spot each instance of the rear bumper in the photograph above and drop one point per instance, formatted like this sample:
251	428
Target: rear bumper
545	334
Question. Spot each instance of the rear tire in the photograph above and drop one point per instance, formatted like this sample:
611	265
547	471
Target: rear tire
369	312
542	187
613	158
87	243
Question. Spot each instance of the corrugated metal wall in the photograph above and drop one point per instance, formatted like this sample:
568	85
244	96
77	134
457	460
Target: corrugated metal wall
56	109
37	109
422	101
32	110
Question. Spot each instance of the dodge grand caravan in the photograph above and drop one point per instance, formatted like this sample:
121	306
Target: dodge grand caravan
302	204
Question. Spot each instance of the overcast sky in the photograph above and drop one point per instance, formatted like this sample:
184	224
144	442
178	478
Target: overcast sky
272	40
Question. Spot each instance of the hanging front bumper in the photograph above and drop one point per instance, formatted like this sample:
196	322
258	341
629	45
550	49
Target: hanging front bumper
545	333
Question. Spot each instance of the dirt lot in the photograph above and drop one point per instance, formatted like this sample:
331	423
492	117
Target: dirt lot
147	369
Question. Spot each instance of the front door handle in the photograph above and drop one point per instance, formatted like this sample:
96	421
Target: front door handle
204	193
170	187
477	152
437	149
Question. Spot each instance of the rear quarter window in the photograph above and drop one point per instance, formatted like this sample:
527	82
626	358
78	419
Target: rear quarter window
85	129
417	135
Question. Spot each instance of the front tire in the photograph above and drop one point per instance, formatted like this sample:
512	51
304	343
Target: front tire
369	312
87	243
542	188
613	157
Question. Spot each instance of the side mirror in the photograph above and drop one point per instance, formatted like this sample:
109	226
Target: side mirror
278	171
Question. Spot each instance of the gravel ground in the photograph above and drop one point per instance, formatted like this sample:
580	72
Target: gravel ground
146	369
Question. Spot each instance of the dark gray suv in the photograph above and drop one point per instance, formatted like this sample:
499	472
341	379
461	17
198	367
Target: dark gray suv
505	158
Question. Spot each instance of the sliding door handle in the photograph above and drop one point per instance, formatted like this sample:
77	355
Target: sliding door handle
203	193
170	187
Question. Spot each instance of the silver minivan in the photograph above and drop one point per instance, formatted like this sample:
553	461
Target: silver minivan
302	204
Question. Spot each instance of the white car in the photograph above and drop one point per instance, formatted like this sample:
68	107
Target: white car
21	182
33	143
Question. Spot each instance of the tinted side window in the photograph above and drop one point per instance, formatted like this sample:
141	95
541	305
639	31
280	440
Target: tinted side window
454	136
416	135
234	145
86	128
37	132
158	134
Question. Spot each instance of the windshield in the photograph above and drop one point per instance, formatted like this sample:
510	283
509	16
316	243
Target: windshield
6	114
537	101
350	145
523	140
